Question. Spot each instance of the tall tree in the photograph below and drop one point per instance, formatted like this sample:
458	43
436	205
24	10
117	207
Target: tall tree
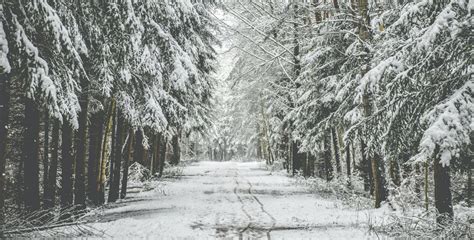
4	113
31	155
49	198
116	159
126	163
81	143
67	161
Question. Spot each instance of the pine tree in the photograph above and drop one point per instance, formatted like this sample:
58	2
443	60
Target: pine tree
67	161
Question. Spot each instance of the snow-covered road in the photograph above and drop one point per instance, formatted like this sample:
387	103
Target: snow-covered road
231	200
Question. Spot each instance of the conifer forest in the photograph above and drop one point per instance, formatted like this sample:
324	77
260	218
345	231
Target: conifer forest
236	119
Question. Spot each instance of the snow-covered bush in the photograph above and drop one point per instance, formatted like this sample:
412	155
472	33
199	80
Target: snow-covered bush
138	173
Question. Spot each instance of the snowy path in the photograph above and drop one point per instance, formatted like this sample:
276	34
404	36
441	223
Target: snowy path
231	200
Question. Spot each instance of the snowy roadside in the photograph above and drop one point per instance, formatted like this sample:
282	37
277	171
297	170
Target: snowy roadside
397	218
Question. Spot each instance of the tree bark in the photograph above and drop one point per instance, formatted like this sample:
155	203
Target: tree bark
380	190
117	158
126	163
46	151
327	157
470	155
153	154
347	150
156	160
4	114
96	132
31	155
442	185
102	175
335	144
395	172
50	187
365	168
162	155
177	151
138	147
81	143
67	166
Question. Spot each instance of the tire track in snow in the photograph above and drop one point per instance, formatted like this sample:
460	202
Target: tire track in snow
242	205
262	208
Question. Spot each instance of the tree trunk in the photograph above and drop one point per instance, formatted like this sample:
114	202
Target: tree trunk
380	190
138	147
4	114
442	185
365	168
327	157
162	155
296	161
102	174
156	160
336	5
347	150
31	155
81	143
426	185
176	150
50	186
126	163
66	166
117	158
470	156
96	132
46	151
395	172
335	144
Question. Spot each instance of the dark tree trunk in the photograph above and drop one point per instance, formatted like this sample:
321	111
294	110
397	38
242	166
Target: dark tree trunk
156	160
50	186
380	189
154	154
46	151
347	151
442	189
138	147
31	155
259	143
66	166
96	131
335	144
81	143
312	162
395	172
4	114
162	155
327	158
126	163
470	156
177	151
117	158
295	161
365	168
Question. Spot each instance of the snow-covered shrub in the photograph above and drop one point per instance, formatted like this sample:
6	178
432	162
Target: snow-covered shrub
172	171
351	195
422	225
138	173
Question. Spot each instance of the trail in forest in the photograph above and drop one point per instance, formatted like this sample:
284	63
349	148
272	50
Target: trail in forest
231	200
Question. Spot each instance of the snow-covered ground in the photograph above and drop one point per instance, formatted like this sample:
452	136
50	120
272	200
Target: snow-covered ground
232	200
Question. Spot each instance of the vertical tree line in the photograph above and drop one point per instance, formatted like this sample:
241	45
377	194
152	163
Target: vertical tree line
100	81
